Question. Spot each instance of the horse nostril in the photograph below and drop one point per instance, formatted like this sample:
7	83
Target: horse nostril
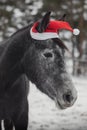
68	98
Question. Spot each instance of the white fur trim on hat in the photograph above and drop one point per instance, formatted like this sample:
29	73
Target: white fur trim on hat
43	36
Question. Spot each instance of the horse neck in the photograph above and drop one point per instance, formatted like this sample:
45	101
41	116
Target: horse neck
10	61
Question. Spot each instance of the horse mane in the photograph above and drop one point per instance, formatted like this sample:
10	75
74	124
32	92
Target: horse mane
22	29
60	43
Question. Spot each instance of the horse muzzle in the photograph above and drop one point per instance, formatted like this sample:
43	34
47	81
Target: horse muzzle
67	100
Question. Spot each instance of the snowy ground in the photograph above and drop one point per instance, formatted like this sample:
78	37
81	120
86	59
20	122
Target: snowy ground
45	116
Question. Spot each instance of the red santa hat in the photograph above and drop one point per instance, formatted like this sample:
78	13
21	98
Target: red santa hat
52	30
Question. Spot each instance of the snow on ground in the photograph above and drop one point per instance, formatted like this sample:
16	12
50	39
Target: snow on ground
44	115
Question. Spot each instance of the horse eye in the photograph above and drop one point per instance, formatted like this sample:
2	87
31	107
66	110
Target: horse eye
48	54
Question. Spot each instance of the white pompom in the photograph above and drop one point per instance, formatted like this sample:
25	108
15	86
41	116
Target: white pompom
76	31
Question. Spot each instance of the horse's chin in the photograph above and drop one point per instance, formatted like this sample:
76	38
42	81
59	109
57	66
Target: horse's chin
59	106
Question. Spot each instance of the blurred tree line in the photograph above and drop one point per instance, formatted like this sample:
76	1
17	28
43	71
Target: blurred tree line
15	14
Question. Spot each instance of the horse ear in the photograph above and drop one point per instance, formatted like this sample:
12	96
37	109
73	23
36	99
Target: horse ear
63	17
44	22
